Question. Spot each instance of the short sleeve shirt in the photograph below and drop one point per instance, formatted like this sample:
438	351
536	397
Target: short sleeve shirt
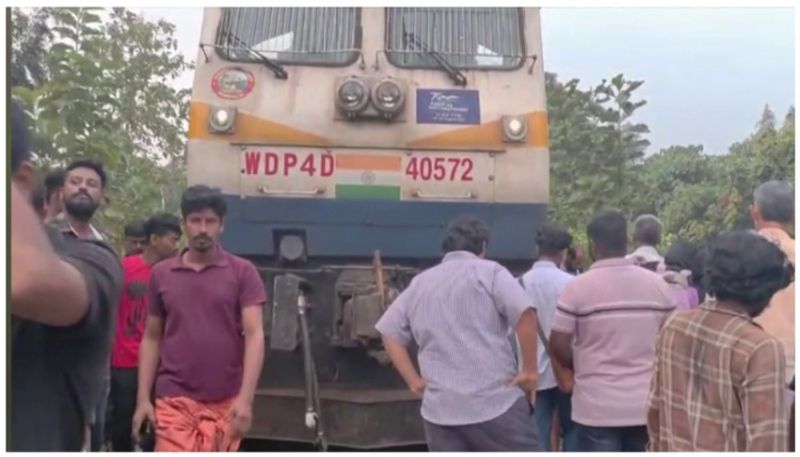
460	314
614	312
56	372
202	348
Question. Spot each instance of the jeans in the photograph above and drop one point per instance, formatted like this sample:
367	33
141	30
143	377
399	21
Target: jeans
547	402
611	439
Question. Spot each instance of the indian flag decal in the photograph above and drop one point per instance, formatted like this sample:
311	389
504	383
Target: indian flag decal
368	176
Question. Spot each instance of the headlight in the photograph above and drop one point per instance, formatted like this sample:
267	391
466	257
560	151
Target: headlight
221	120
515	129
352	96
388	97
291	248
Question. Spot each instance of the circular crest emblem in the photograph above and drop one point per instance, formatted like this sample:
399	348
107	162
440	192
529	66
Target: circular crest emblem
368	177
232	83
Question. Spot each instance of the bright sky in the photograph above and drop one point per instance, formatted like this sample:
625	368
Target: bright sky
708	72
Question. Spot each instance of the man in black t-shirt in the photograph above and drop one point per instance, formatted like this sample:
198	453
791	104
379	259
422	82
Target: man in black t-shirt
64	293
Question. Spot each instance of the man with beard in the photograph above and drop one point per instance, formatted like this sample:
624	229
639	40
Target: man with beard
203	344
84	184
63	298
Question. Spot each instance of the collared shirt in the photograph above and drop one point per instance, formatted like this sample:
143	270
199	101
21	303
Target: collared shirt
202	348
62	223
544	284
650	255
718	385
778	318
460	313
614	312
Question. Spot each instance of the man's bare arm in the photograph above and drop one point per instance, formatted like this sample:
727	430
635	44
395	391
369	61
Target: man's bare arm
252	322
148	357
561	347
44	288
403	364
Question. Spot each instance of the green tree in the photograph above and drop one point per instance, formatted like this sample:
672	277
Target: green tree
594	146
106	94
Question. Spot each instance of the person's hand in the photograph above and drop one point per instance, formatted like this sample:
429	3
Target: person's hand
144	411
417	385
241	417
527	381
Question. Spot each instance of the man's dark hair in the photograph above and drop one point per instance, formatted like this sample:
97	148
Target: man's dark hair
682	255
20	138
775	200
135	229
466	233
161	224
647	230
609	232
553	238
200	197
54	181
91	164
748	269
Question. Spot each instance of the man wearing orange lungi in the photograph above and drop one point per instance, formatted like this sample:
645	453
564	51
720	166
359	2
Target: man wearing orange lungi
203	347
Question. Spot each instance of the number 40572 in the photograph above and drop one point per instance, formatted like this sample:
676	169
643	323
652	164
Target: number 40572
440	168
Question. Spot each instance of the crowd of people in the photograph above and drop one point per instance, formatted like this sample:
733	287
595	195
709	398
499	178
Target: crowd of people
691	351
161	349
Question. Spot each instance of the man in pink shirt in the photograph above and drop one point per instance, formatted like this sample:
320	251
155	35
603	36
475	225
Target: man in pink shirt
605	328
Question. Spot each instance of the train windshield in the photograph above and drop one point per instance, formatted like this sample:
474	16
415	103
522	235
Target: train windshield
291	36
467	38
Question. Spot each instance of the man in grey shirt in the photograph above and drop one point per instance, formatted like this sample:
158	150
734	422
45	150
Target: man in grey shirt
460	313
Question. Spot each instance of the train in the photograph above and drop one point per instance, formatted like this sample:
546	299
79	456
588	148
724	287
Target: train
344	140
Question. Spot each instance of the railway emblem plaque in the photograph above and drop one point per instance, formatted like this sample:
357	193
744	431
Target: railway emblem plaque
232	83
443	106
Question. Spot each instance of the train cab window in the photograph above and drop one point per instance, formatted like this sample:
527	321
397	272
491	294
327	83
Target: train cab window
467	38
290	36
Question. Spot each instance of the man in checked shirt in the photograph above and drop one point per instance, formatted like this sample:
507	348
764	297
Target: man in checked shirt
719	378
460	313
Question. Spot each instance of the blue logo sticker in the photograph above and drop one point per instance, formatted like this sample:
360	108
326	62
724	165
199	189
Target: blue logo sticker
442	106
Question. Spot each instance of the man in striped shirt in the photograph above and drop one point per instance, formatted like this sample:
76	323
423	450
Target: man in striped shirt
460	313
613	312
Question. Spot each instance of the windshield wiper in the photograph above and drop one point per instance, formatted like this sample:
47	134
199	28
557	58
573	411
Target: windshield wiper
276	69
456	76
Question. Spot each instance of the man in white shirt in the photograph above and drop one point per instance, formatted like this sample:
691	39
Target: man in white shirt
544	283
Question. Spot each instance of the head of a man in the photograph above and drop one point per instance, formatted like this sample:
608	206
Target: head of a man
85	182
466	233
746	269
608	235
22	171
53	183
203	210
647	230
553	240
135	237
773	205
162	233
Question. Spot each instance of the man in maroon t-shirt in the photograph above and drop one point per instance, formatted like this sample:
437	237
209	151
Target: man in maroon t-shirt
161	234
203	345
